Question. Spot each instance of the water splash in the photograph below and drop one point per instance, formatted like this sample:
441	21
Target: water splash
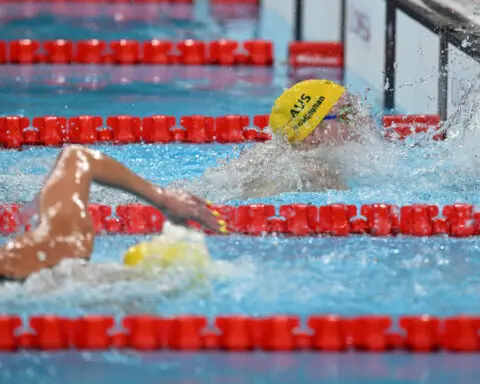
368	168
75	286
372	169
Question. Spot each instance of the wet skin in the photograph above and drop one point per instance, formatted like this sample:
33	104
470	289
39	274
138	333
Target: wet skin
65	228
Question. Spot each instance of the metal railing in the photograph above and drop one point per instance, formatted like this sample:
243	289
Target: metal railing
451	28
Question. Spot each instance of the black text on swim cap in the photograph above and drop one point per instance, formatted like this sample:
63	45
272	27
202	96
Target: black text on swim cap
300	104
310	113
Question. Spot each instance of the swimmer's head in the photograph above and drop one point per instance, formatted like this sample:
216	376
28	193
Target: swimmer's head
175	248
300	110
161	255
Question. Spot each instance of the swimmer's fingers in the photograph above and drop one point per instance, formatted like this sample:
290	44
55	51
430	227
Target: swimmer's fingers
207	217
183	206
204	217
211	220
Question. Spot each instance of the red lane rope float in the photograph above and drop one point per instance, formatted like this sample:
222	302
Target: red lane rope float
400	127
131	52
416	334
16	131
315	54
421	220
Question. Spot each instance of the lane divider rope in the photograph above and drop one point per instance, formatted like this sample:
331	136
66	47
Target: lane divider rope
222	52
456	220
131	52
242	333
17	131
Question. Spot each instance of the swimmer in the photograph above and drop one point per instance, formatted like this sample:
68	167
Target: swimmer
313	123
316	112
65	229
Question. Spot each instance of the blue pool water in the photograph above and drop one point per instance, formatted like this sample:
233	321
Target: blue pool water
433	182
220	368
47	21
268	276
259	276
138	90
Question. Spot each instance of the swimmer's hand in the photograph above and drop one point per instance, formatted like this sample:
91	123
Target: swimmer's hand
181	206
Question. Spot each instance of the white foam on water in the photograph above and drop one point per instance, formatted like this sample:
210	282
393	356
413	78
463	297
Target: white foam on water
274	167
368	167
88	286
378	168
421	169
76	285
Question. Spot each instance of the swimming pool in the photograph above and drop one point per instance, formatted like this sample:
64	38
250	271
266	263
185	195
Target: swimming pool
301	276
140	21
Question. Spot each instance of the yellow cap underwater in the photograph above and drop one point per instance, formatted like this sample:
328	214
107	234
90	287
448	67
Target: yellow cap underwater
175	247
299	110
163	255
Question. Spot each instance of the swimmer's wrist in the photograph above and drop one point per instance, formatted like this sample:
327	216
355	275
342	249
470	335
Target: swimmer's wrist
162	198
167	198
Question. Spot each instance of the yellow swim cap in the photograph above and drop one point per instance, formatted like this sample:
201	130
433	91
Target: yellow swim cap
176	247
149	255
136	254
299	110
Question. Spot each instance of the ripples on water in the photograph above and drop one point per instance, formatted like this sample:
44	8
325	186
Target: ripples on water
265	276
375	170
336	274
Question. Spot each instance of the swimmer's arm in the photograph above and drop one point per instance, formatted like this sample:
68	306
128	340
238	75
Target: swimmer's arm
179	205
